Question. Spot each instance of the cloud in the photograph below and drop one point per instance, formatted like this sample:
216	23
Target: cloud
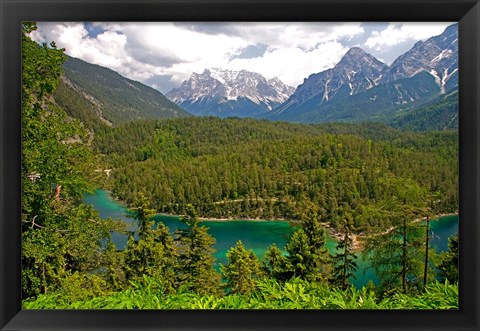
292	65
106	49
212	28
163	54
396	33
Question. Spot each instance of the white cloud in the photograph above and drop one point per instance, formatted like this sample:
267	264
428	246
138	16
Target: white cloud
165	54
292	65
107	49
396	33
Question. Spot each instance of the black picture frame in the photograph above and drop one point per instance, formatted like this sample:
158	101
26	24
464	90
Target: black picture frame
466	12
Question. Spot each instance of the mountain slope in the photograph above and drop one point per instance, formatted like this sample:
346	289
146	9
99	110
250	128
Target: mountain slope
356	72
361	88
376	103
437	55
112	98
227	93
438	114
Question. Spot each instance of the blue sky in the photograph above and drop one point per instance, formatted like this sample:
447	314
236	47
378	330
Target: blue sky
163	55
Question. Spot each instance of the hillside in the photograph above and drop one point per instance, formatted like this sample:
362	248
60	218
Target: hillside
92	92
245	168
440	113
362	88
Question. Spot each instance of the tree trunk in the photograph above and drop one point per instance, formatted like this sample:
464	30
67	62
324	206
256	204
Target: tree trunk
44	287
427	239
345	262
58	189
404	257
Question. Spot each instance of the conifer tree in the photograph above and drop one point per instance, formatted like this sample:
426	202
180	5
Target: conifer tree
307	257
274	263
242	271
154	254
398	255
344	260
196	261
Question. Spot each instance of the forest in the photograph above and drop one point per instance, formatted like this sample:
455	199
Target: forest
244	168
358	178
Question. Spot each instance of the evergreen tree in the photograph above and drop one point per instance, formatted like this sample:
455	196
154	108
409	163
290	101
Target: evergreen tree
242	271
154	254
397	255
143	215
344	260
196	260
307	257
274	263
115	267
60	236
300	259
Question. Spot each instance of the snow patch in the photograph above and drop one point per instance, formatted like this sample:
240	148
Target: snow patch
325	92
444	53
377	79
438	81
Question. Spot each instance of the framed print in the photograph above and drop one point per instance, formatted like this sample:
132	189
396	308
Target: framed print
240	165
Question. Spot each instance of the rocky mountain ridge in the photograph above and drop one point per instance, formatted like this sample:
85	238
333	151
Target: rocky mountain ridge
225	93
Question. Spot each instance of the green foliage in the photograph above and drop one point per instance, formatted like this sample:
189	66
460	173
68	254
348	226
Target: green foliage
438	114
398	258
242	271
448	267
307	256
143	214
61	238
274	263
269	294
110	97
78	106
196	261
244	168
344	262
436	296
114	262
154	254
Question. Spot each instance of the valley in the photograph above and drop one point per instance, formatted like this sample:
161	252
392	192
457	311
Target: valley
234	185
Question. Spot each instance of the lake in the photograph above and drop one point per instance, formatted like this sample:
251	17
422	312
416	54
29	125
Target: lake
255	235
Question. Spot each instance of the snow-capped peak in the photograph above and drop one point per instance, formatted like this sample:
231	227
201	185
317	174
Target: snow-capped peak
231	85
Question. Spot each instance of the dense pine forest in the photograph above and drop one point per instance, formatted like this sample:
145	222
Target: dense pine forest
242	168
356	178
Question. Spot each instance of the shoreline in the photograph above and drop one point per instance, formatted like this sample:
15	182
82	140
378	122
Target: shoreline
357	239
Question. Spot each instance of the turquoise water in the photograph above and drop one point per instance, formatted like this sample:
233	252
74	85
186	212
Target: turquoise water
255	235
442	229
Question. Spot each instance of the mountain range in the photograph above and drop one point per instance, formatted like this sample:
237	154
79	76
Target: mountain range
360	87
227	93
419	91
